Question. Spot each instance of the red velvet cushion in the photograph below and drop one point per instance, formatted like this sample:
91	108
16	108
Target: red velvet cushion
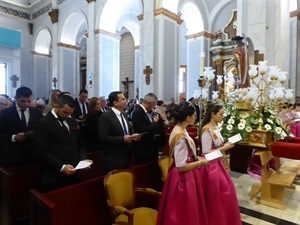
286	150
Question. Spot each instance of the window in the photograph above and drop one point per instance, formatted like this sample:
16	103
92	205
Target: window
3	75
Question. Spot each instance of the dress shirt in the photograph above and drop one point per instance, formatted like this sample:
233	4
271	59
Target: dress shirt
26	113
118	114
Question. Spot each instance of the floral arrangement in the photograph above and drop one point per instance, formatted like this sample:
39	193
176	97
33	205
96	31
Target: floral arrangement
236	121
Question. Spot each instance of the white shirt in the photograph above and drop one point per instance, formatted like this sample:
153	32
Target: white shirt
65	122
118	114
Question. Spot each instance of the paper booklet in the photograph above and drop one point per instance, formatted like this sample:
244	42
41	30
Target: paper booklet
234	139
213	155
83	164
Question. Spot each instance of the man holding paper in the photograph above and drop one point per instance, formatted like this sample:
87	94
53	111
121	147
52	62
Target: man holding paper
58	145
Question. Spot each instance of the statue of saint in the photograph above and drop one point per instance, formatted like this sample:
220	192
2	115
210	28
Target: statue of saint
241	61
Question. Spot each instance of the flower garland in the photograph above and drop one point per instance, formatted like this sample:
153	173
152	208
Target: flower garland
236	121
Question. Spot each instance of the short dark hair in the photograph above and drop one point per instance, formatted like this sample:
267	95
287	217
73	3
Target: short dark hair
83	91
65	99
113	96
23	92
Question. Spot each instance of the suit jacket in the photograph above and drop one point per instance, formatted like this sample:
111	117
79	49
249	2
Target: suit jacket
77	110
147	147
16	153
116	151
56	147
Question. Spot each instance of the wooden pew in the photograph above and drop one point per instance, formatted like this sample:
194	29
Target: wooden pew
15	191
16	183
85	203
273	183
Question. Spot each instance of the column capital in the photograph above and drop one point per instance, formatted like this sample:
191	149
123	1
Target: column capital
89	1
169	14
295	13
53	15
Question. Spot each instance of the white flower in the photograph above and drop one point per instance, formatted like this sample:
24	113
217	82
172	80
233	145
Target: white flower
241	126
243	121
278	130
270	121
248	129
268	127
231	121
229	127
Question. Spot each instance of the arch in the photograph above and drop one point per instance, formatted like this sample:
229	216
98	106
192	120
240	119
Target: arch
132	26
114	9
293	5
190	14
170	5
73	27
216	11
42	41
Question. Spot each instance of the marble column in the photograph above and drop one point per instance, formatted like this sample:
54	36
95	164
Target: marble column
108	63
90	44
147	46
166	62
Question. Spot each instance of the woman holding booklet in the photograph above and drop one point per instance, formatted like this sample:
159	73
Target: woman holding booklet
183	200
220	195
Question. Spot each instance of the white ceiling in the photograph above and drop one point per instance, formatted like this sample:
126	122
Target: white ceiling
23	3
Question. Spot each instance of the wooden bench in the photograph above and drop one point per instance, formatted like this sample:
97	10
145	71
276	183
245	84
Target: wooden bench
85	203
273	183
15	191
16	183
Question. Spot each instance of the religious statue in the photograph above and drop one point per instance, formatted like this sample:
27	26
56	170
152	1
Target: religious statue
243	55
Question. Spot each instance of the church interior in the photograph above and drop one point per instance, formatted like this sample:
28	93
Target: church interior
140	46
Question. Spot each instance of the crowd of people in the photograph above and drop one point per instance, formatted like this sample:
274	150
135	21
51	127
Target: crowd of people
59	131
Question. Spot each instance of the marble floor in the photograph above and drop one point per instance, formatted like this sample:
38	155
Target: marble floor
258	214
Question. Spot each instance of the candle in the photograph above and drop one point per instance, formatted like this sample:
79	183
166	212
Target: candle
202	56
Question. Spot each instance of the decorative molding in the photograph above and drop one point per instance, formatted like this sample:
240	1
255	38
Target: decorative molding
41	11
230	29
74	47
295	13
200	34
40	54
53	15
169	14
14	12
107	33
89	1
136	47
140	17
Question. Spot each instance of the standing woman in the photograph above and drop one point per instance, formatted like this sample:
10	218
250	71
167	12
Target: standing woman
220	195
52	100
182	200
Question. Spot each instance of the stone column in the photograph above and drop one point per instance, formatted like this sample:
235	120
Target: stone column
90	44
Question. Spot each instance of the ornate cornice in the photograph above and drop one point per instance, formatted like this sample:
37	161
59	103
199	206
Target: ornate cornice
40	54
136	47
107	33
89	1
140	17
74	47
169	14
295	13
15	12
41	11
53	15
200	34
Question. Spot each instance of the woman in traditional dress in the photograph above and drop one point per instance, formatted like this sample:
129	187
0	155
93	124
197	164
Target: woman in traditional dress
182	200
220	195
295	126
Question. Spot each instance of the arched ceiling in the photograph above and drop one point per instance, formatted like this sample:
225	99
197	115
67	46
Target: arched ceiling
42	42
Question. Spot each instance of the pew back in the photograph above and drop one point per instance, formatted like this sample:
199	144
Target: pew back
85	203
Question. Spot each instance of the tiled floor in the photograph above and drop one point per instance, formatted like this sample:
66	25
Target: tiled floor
258	214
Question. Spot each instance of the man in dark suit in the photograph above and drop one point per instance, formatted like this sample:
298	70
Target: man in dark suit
81	106
16	130
58	145
114	134
146	121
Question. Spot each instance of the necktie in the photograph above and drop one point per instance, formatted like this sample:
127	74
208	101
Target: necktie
23	118
149	116
83	109
64	126
123	124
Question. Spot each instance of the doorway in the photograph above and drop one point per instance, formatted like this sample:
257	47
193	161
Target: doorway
3	78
